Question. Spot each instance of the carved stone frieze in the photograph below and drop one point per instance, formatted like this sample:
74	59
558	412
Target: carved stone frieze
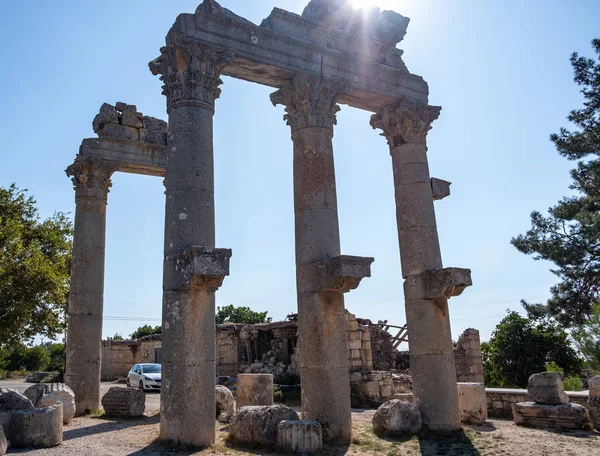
405	122
91	176
310	101
202	267
190	72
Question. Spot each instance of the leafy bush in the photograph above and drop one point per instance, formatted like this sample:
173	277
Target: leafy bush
570	382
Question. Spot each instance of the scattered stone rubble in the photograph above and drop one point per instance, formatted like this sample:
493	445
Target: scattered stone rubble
123	121
124	402
593	403
397	418
257	425
47	394
371	389
298	436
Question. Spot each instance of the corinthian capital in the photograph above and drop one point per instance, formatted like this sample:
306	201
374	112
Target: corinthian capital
406	121
190	72
91	176
310	101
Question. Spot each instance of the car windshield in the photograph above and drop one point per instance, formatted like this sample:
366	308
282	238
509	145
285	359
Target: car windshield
151	369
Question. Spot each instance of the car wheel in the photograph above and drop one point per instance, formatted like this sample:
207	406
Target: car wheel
141	385
128	383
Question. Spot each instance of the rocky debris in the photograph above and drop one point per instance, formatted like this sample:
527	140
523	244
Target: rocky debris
370	389
297	436
44	377
565	416
3	442
257	425
225	404
397	418
593	406
594	386
47	394
124	402
254	389
472	403
547	388
37	428
11	400
123	121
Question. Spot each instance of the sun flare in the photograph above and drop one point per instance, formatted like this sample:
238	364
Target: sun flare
364	3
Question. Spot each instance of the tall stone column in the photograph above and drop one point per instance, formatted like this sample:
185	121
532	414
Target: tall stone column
322	274
91	181
193	268
428	286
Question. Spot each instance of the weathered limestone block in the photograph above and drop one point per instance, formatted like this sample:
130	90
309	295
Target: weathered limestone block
566	416
404	397
594	386
593	406
344	273
3	442
257	425
37	428
440	188
547	388
125	402
254	389
472	403
122	121
297	436
225	404
45	395
11	400
397	417
438	283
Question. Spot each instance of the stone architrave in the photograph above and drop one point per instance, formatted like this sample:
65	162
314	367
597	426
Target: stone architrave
322	274
91	181
428	286
297	436
193	268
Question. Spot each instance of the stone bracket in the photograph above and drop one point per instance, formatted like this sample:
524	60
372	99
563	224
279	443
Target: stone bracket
438	283
343	273
440	188
202	267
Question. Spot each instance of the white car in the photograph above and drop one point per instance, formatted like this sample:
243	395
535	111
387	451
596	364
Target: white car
144	376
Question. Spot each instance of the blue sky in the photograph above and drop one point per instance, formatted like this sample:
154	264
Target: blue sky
500	71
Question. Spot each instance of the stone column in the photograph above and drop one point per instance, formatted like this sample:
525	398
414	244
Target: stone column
193	268
322	274
428	286
91	181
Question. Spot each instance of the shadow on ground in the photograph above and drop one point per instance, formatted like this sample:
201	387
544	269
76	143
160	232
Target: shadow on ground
109	424
455	443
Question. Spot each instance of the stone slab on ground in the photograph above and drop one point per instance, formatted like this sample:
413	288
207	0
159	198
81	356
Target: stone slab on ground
124	402
564	416
47	394
299	436
397	418
225	404
257	425
37	428
547	388
472	402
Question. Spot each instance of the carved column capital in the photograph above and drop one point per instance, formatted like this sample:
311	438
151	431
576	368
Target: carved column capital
310	101
91	176
190	72
405	122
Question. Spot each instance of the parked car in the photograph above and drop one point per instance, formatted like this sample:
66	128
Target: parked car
144	376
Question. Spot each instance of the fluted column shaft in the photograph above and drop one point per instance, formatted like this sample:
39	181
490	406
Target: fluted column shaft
322	340
91	180
191	79
430	341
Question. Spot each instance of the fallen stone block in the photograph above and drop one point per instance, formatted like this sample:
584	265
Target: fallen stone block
472	403
47	394
37	428
124	402
564	416
11	400
298	436
547	388
594	385
3	442
593	405
225	404
257	425
254	389
397	418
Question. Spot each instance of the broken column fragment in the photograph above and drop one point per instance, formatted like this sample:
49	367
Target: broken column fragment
123	121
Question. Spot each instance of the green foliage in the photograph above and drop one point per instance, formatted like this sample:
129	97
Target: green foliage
117	336
35	267
58	357
520	347
277	395
142	331
587	339
569	236
570	382
245	315
22	358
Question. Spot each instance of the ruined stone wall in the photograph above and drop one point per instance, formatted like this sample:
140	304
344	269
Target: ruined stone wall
284	343
382	348
118	356
360	355
499	400
468	358
227	351
371	389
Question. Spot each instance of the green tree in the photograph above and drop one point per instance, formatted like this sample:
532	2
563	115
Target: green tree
245	315
569	236
58	357
587	339
117	336
35	266
520	347
145	330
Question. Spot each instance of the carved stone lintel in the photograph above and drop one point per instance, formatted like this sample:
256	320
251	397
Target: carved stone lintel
202	267
91	176
405	122
310	101
343	273
190	72
438	283
440	188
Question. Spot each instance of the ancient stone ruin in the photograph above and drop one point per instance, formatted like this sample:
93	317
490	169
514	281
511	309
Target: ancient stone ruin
328	55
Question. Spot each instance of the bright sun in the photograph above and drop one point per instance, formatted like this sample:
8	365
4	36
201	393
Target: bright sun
364	3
